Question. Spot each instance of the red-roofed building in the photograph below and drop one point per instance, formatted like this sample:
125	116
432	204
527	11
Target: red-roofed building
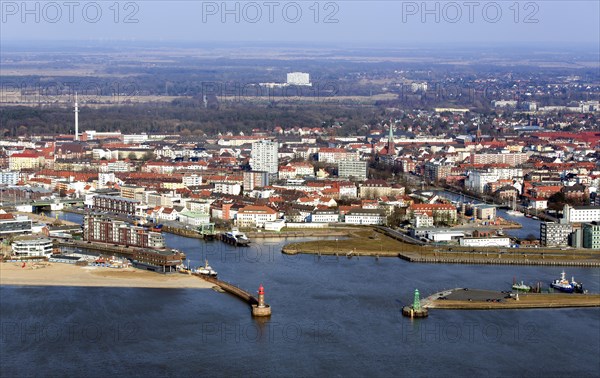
255	216
438	211
26	160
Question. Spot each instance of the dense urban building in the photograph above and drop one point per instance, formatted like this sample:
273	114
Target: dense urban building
265	157
114	204
355	169
555	234
99	228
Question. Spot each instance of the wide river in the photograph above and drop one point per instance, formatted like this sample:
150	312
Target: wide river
331	317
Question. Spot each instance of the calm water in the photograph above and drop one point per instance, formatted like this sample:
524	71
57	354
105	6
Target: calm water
334	317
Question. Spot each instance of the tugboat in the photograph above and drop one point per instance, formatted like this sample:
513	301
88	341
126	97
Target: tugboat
206	270
565	286
235	237
577	286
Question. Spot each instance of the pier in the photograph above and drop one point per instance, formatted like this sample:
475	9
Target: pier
258	307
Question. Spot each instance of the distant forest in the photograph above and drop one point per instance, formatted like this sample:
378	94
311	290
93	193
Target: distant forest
180	117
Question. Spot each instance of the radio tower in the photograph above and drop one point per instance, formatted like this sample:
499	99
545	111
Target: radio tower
76	119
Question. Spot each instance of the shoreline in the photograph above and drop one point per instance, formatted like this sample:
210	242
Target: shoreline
58	274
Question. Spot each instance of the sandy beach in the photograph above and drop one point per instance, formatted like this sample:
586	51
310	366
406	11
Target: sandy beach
56	274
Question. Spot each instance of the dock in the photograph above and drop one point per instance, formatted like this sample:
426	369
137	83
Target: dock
477	299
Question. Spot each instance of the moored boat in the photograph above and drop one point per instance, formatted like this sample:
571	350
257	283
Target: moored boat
206	270
564	285
521	287
235	237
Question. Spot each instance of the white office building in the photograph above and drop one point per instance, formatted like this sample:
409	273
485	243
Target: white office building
353	169
41	247
581	214
264	157
9	177
298	78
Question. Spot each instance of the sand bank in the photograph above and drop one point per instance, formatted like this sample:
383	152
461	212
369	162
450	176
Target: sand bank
56	274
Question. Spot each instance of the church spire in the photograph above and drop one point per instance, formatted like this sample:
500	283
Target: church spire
390	147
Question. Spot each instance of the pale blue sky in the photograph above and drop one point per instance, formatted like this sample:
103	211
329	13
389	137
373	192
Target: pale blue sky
358	22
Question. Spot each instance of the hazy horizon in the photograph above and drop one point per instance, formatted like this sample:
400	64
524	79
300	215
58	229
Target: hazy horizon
344	23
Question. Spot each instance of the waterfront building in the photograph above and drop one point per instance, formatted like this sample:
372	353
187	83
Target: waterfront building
162	261
194	218
114	204
591	235
99	228
486	212
555	234
14	224
485	242
39	247
366	217
581	214
325	216
439	212
255	216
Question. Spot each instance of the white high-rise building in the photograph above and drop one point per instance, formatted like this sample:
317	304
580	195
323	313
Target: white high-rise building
9	177
264	157
298	78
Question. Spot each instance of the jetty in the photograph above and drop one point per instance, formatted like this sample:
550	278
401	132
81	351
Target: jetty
477	299
258	306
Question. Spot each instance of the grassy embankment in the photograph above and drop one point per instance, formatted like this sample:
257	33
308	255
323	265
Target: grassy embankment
366	241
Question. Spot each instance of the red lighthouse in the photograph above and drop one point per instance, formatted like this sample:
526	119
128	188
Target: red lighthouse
261	296
261	308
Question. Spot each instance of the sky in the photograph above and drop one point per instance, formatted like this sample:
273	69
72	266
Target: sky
348	22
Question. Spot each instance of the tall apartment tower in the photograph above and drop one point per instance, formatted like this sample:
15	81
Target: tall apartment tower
265	157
